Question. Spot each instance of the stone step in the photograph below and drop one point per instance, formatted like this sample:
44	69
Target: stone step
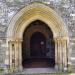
45	74
39	71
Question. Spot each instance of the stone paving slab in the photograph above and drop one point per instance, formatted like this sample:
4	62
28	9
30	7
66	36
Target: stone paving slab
40	71
45	74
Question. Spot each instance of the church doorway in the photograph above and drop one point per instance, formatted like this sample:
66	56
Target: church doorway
38	47
23	28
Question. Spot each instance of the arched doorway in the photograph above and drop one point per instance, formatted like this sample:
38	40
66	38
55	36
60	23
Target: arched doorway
21	21
38	47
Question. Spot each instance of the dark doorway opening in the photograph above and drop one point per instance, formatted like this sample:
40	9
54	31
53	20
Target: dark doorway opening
38	45
38	50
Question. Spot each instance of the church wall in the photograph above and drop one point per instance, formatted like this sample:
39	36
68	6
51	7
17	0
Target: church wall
64	8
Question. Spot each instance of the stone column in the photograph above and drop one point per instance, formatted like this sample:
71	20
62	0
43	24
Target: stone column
56	54
15	55
11	55
60	48
59	54
65	54
20	54
62	54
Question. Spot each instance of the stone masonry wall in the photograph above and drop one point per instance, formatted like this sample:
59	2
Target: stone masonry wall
65	9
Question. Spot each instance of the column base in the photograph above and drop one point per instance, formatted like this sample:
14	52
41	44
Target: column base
20	69
65	69
56	67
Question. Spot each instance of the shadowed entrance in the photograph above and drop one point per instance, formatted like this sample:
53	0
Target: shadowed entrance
38	47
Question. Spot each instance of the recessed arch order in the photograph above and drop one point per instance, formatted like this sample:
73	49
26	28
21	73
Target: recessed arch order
36	11
33	12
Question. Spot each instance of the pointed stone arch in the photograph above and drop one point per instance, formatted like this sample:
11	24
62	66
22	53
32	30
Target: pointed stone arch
30	13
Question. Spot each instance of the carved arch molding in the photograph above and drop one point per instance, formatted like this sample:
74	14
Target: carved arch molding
30	13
